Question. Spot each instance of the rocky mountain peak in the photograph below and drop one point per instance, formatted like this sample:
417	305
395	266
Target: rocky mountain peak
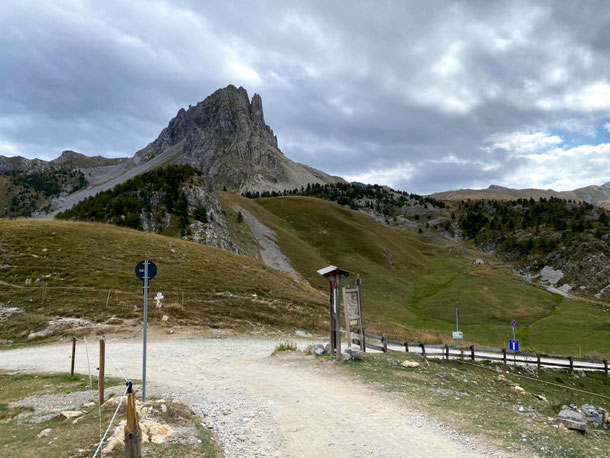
226	137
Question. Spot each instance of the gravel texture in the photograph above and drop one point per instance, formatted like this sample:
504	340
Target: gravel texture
288	405
267	239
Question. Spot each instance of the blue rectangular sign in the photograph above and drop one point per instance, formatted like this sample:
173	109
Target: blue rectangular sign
513	345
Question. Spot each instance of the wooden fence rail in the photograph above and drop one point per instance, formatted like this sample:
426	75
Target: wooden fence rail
452	351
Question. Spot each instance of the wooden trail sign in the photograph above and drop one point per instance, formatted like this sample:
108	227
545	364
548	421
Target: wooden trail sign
334	276
353	313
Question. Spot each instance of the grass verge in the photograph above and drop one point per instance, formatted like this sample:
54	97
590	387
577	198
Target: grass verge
472	400
79	437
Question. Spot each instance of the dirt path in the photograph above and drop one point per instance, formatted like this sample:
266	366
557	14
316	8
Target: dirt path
285	406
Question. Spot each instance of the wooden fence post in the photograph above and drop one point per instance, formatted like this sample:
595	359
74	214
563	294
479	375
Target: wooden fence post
538	360
100	380
423	349
571	363
606	367
363	339
384	341
133	432
406	347
447	351
504	355
73	353
472	352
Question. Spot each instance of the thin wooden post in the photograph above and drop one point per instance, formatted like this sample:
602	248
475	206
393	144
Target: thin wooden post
73	353
332	319
571	363
447	351
363	334
133	432
338	318
504	355
384	341
472	352
606	367
361	319
538	360
108	299
406	347
182	299
100	380
423	349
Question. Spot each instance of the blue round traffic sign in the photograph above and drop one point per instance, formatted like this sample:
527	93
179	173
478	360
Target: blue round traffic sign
513	323
152	270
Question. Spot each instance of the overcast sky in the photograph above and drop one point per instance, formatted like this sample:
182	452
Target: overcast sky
423	96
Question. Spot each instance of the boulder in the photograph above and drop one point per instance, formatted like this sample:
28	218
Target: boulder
318	349
355	353
517	389
327	349
595	415
541	397
44	433
164	318
67	414
572	420
409	364
156	433
346	356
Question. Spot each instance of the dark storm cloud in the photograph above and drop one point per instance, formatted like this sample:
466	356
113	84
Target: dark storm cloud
424	96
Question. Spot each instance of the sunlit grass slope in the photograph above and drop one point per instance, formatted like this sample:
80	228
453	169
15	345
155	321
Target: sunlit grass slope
412	288
59	268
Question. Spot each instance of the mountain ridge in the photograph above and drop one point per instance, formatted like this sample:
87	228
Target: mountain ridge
598	195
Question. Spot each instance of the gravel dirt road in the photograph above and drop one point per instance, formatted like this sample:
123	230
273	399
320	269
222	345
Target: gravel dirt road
288	405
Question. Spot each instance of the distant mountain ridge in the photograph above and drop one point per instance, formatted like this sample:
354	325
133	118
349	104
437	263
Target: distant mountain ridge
67	160
595	195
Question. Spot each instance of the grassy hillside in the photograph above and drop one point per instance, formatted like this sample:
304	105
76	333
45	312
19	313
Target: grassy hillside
411	288
70	269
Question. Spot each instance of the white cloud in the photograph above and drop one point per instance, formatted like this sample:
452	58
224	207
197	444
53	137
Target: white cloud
7	149
391	177
521	142
563	169
588	98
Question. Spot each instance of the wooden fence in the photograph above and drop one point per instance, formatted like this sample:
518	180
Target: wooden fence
472	353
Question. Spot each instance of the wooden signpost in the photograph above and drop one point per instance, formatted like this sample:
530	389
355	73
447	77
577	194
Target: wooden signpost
352	303
334	276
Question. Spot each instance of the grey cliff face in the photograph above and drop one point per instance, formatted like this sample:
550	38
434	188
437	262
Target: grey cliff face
227	138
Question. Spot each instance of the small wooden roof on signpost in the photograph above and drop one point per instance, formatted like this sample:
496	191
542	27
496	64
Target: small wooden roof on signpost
332	271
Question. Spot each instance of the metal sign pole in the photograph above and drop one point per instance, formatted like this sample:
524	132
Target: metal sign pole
144	335
457	325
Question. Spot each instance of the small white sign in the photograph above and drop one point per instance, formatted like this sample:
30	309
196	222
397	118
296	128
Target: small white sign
457	335
158	298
